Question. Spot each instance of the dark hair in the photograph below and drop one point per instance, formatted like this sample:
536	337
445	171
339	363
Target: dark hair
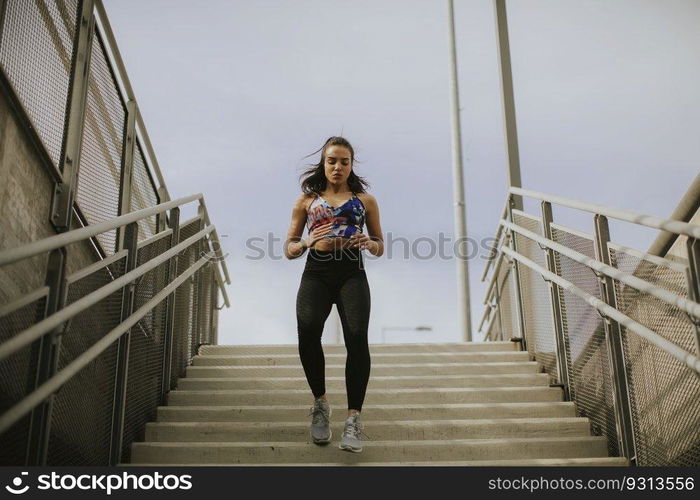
315	181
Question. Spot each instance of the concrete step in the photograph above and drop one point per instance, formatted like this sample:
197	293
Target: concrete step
282	413
373	348
378	382
529	462
395	396
374	451
338	370
407	430
381	358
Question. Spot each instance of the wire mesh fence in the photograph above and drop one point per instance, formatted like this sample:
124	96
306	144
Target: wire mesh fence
663	392
79	422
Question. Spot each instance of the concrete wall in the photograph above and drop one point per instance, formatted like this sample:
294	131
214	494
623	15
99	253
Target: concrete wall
26	188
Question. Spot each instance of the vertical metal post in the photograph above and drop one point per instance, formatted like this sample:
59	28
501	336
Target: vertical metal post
560	341
463	297
64	191
213	301
131	238
200	249
170	308
508	100
693	269
46	351
515	269
623	412
3	9
127	168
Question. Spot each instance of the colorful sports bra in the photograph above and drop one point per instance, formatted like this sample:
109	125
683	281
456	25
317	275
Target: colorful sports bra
347	219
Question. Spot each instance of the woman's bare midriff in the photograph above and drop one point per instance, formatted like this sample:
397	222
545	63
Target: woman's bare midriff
328	244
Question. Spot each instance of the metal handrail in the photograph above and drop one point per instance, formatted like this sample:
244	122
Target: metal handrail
652	221
11	416
689	306
60	240
44	326
493	251
672	349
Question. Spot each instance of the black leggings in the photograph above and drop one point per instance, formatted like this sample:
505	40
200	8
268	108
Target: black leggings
335	277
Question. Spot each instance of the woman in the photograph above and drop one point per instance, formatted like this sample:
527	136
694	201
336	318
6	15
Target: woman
334	205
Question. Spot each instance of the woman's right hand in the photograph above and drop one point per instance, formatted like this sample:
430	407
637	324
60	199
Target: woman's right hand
318	233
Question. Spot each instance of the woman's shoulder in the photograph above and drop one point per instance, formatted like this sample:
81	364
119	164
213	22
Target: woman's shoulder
366	198
304	200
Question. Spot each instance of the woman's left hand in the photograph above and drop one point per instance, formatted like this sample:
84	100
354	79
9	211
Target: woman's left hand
360	240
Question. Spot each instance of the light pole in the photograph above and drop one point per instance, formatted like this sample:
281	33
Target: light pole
404	328
458	189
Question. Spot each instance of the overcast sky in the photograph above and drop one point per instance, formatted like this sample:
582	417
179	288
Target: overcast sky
235	93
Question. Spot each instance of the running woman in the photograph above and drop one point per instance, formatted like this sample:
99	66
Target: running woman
334	205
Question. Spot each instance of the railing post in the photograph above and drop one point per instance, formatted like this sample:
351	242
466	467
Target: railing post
46	350
560	341
613	335
127	168
200	252
131	238
64	191
3	9
693	249
170	308
516	283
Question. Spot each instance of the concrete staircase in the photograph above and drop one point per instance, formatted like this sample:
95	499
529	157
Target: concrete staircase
426	404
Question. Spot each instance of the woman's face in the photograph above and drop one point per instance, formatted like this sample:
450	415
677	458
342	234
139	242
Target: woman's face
338	164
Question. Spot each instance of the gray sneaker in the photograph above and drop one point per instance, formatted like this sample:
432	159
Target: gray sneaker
320	421
352	440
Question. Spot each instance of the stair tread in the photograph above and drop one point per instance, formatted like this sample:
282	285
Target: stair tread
405	390
411	443
379	423
471	463
369	407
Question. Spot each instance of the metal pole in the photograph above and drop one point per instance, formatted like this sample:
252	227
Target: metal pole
693	278
515	270
46	350
170	308
64	191
131	238
560	341
3	9
508	100
687	207
458	189
613	335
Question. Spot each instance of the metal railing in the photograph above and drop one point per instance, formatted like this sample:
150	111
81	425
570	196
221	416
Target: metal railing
105	294
616	328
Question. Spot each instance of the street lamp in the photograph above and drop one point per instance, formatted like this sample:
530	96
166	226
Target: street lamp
404	328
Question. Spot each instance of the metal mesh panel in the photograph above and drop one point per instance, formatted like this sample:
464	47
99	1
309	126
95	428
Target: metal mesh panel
537	306
143	193
508	319
587	354
146	350
82	414
185	306
35	52
101	150
664	393
17	373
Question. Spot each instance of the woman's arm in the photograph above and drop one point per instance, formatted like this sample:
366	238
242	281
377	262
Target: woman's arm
295	246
